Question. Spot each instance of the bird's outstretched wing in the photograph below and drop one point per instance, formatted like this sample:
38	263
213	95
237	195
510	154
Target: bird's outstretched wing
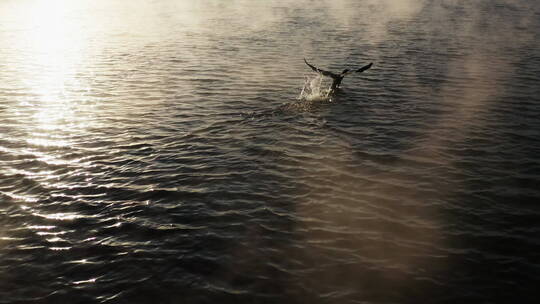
323	72
360	70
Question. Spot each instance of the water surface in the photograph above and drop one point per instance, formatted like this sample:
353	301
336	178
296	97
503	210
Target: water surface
156	151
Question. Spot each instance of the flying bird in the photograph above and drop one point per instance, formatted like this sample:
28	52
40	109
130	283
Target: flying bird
337	78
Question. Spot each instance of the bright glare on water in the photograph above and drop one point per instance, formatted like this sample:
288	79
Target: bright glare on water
183	152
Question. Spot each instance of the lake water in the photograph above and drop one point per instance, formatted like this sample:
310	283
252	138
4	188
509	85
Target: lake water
158	152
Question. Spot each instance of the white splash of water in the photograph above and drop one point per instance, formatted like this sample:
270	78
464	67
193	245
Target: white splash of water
314	89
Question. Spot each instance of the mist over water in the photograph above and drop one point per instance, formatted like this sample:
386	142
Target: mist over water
182	152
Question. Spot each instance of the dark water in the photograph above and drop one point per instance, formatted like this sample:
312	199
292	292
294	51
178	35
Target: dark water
156	152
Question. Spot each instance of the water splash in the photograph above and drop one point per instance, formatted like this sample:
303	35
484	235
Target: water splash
314	89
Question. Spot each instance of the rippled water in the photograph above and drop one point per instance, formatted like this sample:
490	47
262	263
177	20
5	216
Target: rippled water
157	151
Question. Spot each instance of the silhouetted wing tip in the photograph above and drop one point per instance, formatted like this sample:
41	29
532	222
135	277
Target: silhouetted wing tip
309	65
360	70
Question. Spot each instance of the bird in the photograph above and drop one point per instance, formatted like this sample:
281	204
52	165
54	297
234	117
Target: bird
337	78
